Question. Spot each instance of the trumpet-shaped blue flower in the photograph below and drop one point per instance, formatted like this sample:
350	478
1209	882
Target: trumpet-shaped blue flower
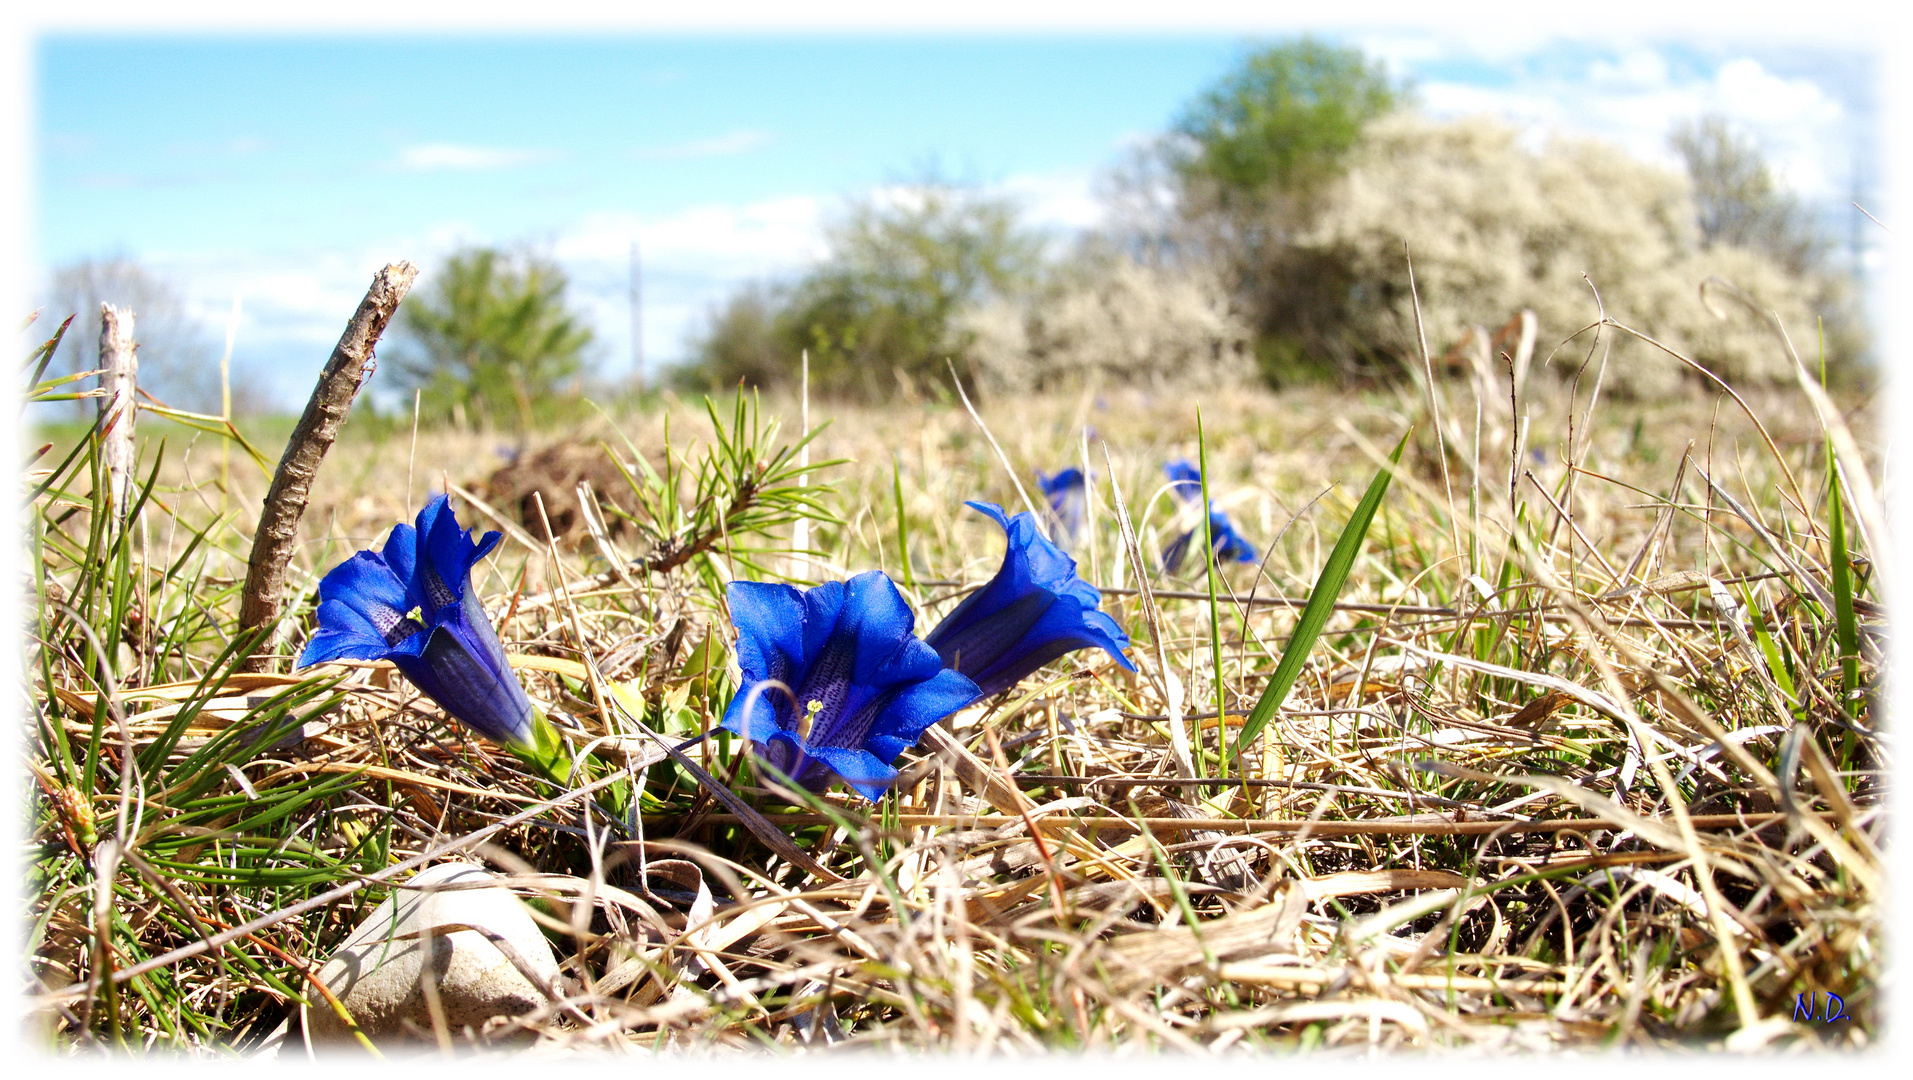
1034	610
836	684
412	603
1068	498
1229	544
1185	482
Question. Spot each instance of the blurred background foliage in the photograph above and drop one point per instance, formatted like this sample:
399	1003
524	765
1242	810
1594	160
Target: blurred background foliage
883	310
1281	123
178	354
1261	239
490	340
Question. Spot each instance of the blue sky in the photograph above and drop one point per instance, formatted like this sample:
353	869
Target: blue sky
232	140
287	169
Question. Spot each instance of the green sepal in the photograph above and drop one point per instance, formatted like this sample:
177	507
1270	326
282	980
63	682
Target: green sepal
547	752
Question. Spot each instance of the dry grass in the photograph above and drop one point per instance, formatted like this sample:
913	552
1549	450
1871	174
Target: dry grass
1596	785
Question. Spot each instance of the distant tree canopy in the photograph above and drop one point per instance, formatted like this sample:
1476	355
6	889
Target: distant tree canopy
741	342
883	306
1253	158
490	338
1737	199
1495	226
1283	119
1267	234
178	357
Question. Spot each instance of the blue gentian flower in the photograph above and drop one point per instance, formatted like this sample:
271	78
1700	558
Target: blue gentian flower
413	604
1229	544
1185	480
1068	498
1185	483
1034	610
836	684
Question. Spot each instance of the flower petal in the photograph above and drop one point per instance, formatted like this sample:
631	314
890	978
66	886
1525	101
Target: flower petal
344	634
366	585
444	555
884	627
991	510
1185	480
1174	552
1034	610
1063	629
463	668
1229	544
822	605
1067	494
401	554
849	652
905	717
858	768
445	569
790	755
1045	565
974	640
870	650
756	710
770	628
413	604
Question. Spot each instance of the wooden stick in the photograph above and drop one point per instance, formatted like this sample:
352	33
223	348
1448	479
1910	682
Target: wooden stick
277	535
119	378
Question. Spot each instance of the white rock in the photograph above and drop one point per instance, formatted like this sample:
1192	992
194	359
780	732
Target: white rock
377	971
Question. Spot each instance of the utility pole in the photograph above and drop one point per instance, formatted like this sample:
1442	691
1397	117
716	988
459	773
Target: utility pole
637	318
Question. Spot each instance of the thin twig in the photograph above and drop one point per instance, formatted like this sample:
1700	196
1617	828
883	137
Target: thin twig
277	535
119	372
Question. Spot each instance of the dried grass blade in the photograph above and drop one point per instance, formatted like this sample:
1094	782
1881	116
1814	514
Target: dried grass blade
760	827
1171	693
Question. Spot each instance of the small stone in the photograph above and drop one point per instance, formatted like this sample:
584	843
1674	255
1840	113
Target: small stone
377	971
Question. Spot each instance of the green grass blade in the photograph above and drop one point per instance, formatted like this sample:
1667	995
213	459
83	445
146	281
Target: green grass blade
1846	627
1215	611
903	522
1770	650
1315	613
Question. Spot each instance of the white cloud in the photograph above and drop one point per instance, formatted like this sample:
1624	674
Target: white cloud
754	238
295	303
1634	96
428	157
1636	68
691	260
1062	201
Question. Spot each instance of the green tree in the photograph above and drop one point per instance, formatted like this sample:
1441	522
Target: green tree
1283	119
740	343
1253	158
491	339
883	305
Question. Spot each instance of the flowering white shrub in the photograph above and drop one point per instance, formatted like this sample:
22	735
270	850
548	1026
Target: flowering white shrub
1130	323
1495	226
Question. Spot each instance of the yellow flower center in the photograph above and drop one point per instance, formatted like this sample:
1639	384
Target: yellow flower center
809	717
